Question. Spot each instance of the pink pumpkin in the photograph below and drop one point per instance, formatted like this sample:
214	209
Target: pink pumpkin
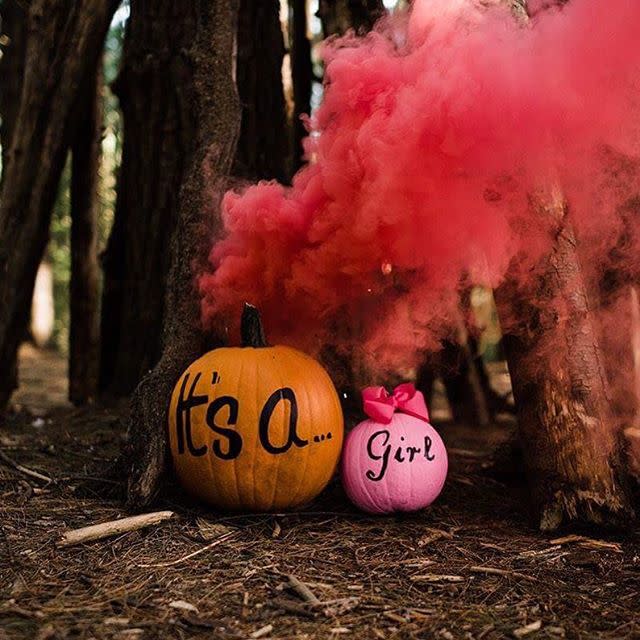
395	460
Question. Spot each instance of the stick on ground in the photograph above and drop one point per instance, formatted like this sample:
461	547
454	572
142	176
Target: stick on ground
113	528
24	470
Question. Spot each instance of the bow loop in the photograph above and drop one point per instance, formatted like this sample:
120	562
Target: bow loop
380	405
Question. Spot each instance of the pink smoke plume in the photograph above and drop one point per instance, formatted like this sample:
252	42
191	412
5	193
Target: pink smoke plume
433	132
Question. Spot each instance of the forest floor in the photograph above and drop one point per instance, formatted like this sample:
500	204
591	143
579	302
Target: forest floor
469	567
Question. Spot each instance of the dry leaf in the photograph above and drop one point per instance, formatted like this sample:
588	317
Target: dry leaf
211	530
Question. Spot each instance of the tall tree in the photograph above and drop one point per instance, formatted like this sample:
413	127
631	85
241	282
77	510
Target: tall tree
65	38
209	111
13	34
159	132
159	137
263	147
301	75
84	329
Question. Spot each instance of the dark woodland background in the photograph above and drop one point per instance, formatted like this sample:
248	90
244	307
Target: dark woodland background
123	123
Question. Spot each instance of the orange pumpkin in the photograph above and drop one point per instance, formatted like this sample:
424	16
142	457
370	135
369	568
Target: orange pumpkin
255	428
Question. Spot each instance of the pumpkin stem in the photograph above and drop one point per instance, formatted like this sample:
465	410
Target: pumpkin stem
251	330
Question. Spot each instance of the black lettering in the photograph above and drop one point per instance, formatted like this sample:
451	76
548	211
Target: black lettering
265	418
183	416
234	438
427	449
412	452
398	455
384	456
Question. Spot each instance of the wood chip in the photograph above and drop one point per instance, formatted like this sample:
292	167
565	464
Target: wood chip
433	535
112	528
527	629
302	590
183	606
262	632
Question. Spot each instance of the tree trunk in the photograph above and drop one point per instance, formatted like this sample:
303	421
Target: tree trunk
65	38
263	147
13	30
208	102
301	75
13	23
159	134
84	329
571	447
338	16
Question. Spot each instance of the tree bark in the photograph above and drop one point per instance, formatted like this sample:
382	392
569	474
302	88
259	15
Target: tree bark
263	148
65	38
301	75
84	329
159	134
13	30
338	16
571	447
209	102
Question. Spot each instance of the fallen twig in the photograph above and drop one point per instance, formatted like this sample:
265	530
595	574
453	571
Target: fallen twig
434	577
588	542
24	470
495	571
193	554
112	528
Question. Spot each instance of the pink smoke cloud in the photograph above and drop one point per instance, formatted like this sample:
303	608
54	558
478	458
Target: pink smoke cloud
432	134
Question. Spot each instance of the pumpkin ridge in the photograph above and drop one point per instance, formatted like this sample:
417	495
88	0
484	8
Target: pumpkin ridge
235	462
256	441
303	475
279	460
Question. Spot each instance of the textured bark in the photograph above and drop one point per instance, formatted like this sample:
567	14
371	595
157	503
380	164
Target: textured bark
65	38
301	74
263	147
209	101
13	23
571	447
84	329
13	29
338	16
160	129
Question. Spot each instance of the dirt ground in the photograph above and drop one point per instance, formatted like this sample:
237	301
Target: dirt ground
469	567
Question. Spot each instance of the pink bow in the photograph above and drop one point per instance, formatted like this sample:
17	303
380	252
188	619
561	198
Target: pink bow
380	406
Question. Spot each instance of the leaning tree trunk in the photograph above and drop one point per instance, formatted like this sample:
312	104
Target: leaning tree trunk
301	76
160	129
338	16
84	326
571	447
263	147
65	37
13	34
208	100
